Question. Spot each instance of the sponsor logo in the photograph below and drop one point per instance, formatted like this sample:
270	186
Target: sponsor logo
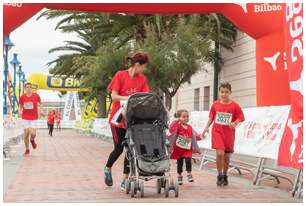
262	7
266	8
244	7
273	59
61	82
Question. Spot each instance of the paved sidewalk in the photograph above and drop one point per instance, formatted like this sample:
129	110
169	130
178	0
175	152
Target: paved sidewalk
69	168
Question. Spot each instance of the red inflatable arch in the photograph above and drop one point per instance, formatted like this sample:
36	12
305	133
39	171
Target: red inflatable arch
275	27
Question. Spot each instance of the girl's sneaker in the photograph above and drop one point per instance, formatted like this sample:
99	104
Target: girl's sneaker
180	180
189	178
220	180
225	181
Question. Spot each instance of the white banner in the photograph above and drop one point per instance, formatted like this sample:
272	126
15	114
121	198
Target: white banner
259	135
77	106
68	105
102	127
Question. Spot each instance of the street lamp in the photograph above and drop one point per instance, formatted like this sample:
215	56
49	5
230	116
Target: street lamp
8	46
23	80
20	72
15	62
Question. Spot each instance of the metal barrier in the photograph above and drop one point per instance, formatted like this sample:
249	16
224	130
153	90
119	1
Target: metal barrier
65	124
260	168
12	134
297	189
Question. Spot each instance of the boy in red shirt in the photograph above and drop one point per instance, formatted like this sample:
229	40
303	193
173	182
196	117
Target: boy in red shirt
28	111
226	115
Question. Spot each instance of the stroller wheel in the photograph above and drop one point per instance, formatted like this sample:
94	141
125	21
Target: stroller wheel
158	185
176	189
127	186
167	188
132	189
142	189
171	184
137	187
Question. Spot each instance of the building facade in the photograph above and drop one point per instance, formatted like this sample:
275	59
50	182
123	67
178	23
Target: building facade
239	70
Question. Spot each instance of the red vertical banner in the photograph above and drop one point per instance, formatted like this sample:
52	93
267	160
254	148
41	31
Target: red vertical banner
271	73
291	148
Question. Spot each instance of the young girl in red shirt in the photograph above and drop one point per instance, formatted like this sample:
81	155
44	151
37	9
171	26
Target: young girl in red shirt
183	139
226	115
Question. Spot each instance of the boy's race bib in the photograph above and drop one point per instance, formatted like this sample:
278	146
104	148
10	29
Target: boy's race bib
223	118
28	105
183	142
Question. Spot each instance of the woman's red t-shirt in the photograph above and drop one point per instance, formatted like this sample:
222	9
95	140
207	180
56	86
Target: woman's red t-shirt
125	85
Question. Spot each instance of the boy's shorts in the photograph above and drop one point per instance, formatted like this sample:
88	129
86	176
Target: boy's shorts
26	124
220	142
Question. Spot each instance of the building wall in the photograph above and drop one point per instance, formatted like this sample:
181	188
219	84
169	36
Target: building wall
239	69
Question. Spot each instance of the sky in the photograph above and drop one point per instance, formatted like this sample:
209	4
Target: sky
32	42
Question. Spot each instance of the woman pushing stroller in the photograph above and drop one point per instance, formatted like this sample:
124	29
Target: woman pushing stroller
124	84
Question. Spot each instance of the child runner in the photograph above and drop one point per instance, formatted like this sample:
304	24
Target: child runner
226	115
183	139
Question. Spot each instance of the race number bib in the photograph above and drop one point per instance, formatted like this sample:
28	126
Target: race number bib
223	118
183	142
28	105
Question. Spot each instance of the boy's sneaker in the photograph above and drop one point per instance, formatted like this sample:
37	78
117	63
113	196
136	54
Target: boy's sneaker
34	145
225	181
180	180
108	177
220	180
189	178
122	186
27	152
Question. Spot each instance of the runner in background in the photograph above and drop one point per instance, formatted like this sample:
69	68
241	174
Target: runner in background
51	119
28	111
58	121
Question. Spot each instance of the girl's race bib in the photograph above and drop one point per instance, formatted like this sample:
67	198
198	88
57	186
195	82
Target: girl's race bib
183	142
223	118
28	105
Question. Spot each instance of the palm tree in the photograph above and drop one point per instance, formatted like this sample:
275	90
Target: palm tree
177	43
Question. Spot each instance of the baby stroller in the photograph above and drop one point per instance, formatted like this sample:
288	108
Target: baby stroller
145	144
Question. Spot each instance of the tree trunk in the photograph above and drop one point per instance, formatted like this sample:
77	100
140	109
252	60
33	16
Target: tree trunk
101	104
157	91
168	101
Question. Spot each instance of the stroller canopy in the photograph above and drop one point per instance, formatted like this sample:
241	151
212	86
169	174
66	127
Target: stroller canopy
145	106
